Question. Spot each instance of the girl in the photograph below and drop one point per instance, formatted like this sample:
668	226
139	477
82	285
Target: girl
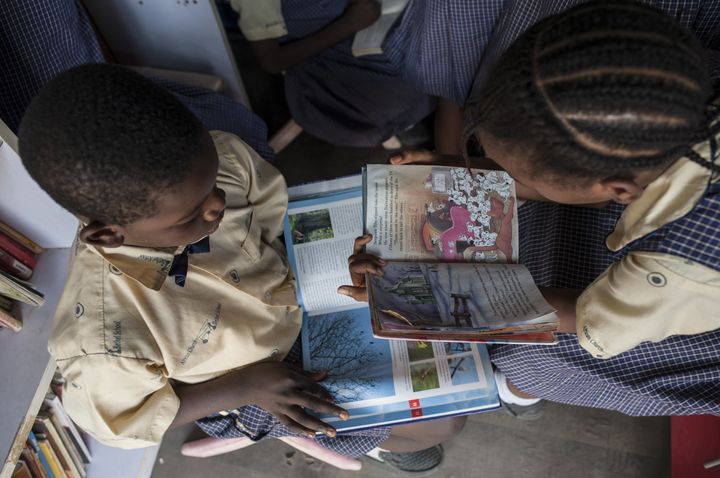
611	102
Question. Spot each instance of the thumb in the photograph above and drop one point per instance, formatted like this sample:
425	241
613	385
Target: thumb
317	376
357	293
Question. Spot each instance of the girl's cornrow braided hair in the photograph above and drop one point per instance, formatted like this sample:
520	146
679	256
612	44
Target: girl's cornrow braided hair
606	88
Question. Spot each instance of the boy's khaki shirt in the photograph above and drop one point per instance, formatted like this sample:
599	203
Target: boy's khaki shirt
649	296
124	331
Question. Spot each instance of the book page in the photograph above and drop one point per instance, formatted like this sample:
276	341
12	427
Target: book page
436	213
319	235
429	296
381	382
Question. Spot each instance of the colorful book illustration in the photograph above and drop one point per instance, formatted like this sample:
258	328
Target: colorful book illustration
451	238
380	382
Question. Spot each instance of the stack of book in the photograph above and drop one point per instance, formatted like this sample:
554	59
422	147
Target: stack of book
54	448
18	259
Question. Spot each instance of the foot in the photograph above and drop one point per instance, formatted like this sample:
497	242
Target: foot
414	462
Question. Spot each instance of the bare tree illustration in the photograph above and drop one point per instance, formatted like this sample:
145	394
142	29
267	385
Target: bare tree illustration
346	354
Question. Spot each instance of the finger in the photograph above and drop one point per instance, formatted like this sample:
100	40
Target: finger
357	293
302	418
360	242
295	427
310	399
367	258
421	156
366	268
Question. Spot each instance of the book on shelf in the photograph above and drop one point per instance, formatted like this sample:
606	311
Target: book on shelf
369	41
9	322
20	290
13	266
20	238
44	425
450	239
380	382
33	461
38	452
18	251
50	455
22	470
6	303
69	433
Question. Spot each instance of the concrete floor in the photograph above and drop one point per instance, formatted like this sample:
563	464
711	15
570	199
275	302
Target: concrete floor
567	442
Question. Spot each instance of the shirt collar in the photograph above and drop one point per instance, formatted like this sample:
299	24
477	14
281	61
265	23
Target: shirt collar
670	197
149	266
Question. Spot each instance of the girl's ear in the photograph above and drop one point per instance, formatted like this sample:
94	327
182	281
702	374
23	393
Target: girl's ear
103	235
622	191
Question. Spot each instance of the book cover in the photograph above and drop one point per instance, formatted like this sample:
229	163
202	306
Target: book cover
380	382
14	266
20	290
20	238
35	446
10	322
18	251
44	425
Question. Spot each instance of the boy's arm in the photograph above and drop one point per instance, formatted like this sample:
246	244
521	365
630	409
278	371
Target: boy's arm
275	58
276	387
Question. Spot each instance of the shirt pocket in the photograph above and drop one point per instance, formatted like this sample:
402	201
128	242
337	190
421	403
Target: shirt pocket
250	245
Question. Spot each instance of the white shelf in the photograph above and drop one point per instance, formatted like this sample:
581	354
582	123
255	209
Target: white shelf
25	365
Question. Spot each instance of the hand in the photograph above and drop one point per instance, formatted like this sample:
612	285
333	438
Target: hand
286	392
415	156
360	264
361	14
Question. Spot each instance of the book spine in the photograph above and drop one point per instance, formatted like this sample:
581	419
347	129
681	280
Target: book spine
10	322
20	238
51	458
14	266
32	440
17	250
33	461
6	303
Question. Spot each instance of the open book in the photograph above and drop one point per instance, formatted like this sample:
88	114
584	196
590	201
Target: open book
369	40
451	235
380	382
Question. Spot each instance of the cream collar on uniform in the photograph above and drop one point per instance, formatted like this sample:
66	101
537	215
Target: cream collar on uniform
149	266
671	196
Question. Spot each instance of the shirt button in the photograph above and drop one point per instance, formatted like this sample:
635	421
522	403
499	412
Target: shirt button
79	310
656	279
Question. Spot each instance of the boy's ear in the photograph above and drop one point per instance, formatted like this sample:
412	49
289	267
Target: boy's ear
620	190
99	234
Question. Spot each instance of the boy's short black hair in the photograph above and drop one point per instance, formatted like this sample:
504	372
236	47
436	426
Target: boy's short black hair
105	142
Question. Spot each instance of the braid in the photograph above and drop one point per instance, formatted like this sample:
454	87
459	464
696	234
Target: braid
606	88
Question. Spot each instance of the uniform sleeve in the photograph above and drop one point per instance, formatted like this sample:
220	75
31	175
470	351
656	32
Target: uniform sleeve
260	19
647	297
122	402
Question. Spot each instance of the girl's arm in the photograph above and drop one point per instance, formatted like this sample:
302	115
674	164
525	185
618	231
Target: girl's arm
448	127
564	302
275	58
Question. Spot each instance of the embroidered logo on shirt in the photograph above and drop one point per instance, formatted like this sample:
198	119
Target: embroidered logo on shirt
117	338
203	335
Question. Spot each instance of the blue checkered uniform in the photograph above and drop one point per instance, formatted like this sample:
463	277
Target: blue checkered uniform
677	376
39	40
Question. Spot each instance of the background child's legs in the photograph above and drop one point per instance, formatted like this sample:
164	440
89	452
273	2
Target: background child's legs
419	436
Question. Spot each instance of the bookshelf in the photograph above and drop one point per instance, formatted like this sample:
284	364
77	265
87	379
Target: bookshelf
26	368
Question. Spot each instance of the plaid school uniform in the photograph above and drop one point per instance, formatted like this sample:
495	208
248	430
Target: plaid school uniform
679	375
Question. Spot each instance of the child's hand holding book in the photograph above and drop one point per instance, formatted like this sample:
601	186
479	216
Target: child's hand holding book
361	263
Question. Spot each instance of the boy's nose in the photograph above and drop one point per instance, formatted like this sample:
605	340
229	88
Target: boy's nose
215	205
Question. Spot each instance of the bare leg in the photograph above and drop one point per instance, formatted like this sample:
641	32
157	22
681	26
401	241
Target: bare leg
517	391
419	436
